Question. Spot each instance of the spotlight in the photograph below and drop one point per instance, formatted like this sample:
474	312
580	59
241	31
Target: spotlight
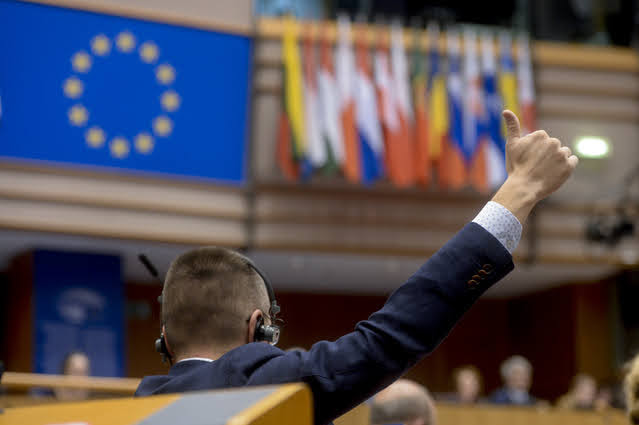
592	147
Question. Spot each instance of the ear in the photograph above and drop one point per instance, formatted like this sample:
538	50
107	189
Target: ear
166	341
255	317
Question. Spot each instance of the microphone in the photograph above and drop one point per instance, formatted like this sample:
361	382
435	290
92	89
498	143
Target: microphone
152	270
149	266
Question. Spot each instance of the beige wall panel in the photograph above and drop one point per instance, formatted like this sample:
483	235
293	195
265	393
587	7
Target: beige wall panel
96	190
268	77
551	80
340	238
117	223
371	210
234	15
603	108
266	111
596	180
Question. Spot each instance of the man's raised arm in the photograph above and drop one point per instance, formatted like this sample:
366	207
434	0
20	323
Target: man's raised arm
420	313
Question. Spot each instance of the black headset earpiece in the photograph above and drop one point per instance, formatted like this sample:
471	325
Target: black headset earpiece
266	333
160	347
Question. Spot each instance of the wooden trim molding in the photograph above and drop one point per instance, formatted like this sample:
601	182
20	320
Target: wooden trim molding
107	385
545	53
149	14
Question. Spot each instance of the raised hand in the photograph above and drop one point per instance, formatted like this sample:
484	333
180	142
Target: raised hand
537	165
537	158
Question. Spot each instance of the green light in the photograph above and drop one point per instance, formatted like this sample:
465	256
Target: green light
592	147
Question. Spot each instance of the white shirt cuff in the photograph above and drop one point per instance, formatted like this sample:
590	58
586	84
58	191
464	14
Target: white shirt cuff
501	223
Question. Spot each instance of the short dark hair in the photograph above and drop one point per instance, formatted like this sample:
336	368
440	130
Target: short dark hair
209	294
401	402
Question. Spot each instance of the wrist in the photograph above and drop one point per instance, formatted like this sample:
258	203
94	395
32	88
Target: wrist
518	196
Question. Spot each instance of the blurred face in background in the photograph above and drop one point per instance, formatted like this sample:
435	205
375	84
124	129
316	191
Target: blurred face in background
585	392
468	386
77	365
519	378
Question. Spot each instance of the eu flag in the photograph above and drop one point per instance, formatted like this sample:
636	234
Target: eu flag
85	88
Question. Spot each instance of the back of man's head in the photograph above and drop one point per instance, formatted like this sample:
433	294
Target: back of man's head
209	295
403	402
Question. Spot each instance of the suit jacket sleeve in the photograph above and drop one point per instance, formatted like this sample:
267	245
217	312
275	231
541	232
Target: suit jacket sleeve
414	320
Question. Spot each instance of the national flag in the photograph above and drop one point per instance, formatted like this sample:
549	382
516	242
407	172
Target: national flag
316	147
285	158
293	96
368	126
453	170
422	157
87	89
345	71
507	78
401	85
526	85
331	126
474	109
388	110
496	147
437	102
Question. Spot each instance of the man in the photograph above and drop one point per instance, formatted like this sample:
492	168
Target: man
516	372
403	402
213	302
75	363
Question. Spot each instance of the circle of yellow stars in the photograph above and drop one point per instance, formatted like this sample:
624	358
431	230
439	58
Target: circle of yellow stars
73	88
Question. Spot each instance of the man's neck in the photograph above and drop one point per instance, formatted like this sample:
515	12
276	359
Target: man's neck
202	353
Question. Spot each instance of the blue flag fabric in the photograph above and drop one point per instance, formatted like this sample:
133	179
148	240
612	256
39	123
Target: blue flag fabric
90	89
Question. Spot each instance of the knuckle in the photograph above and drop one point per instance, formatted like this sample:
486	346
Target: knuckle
540	134
555	143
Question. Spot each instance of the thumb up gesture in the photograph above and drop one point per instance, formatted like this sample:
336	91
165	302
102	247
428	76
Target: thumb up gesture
538	159
537	165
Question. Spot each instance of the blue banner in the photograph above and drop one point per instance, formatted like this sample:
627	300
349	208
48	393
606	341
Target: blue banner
78	306
84	88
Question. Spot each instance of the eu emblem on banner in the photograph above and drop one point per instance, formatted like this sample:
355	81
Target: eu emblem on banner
84	88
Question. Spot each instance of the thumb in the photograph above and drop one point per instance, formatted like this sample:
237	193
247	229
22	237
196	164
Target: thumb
512	125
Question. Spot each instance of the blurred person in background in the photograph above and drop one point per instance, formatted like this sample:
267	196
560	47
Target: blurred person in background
468	385
403	402
76	363
516	373
631	390
582	395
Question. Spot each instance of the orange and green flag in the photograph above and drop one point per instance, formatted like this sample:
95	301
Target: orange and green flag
418	79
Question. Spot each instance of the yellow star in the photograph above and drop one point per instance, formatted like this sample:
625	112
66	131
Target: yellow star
119	147
144	143
170	100
101	45
125	42
149	52
165	74
73	87
81	61
95	137
78	115
162	126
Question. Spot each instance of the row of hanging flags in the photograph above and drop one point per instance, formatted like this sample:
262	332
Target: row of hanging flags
365	111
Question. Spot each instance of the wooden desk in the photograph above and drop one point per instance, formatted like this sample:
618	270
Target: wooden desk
274	405
449	414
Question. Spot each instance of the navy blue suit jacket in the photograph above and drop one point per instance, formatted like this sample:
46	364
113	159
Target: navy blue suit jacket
344	373
501	396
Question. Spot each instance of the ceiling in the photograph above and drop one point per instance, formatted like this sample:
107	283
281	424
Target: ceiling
290	271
